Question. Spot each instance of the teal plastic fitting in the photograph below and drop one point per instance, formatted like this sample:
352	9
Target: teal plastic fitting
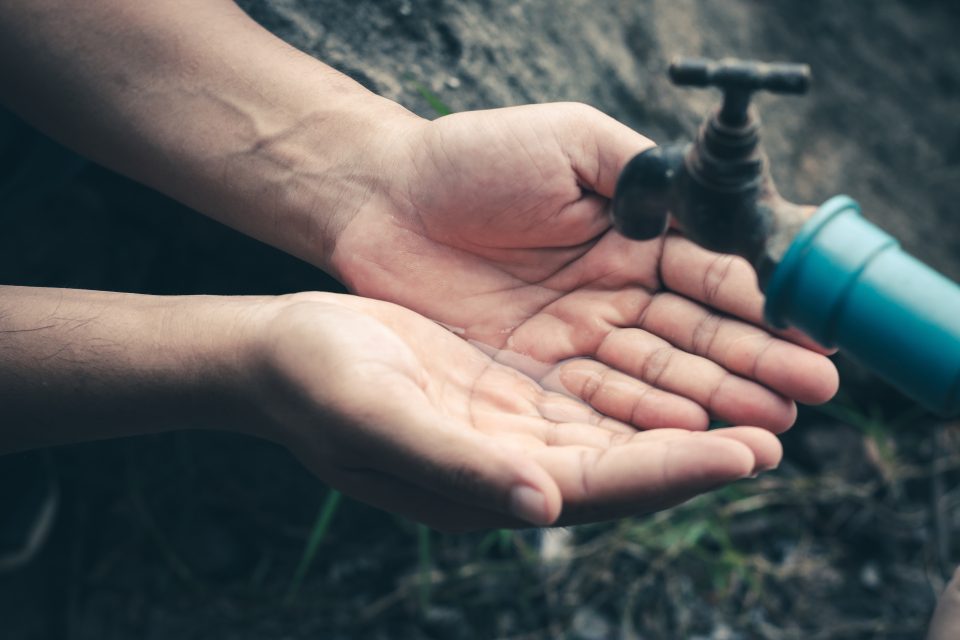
848	284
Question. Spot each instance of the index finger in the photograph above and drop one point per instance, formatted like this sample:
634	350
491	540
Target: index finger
724	282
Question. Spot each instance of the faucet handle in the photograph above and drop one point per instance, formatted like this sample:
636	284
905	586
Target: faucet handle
739	79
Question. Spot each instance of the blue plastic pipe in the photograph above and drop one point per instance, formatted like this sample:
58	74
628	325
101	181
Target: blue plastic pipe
848	284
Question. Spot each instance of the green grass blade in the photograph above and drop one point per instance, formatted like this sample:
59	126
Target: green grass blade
317	534
438	105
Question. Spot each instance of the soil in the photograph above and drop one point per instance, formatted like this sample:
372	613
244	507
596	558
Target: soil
197	535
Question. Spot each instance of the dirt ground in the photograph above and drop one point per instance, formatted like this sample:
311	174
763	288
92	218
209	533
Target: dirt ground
197	535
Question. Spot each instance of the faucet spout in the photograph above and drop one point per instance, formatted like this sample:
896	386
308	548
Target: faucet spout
719	188
824	270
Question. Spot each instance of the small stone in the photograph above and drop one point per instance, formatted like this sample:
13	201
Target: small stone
723	632
870	576
445	622
588	624
556	547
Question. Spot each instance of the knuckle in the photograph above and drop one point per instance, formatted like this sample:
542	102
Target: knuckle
716	393
591	385
551	436
714	277
639	407
656	364
761	353
705	333
643	310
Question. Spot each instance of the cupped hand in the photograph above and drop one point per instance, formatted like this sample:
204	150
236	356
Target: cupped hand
396	411
497	227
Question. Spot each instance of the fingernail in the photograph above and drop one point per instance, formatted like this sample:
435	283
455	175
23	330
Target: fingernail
761	469
529	504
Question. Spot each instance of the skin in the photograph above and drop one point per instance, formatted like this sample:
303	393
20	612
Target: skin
504	234
513	360
945	623
361	391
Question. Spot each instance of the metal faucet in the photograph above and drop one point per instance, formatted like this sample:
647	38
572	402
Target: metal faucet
826	270
718	188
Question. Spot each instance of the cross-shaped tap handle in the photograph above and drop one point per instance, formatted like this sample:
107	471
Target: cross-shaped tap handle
739	79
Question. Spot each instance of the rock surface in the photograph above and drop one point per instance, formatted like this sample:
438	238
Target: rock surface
880	123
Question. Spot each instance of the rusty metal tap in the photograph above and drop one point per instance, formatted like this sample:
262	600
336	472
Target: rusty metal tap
825	270
718	188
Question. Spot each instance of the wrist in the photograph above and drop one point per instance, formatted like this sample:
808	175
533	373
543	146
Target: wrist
337	165
299	368
229	359
183	362
277	337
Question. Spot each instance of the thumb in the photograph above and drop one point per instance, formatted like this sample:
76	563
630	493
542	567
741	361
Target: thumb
601	148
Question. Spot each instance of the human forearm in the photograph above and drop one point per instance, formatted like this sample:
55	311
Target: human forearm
361	391
200	102
81	365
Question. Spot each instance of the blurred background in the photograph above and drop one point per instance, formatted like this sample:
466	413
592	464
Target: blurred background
210	535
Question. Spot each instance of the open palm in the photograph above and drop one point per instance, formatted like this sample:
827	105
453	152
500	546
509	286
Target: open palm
499	231
417	421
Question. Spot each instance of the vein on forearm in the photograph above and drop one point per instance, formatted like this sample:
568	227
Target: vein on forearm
198	101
